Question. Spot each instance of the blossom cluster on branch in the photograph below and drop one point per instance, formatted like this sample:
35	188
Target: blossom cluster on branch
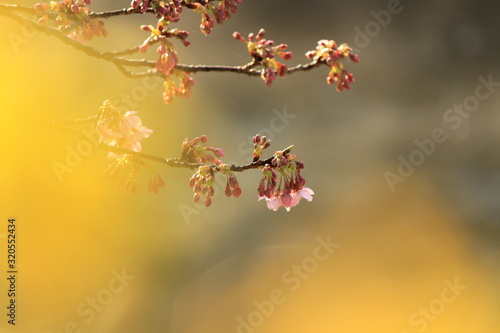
122	132
74	19
263	52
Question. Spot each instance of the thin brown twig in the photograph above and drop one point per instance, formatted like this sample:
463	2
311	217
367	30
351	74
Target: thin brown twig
178	163
135	75
119	12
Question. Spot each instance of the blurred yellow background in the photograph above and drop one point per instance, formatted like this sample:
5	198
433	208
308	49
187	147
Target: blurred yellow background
422	258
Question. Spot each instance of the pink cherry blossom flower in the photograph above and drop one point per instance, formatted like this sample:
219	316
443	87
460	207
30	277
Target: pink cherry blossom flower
287	200
118	129
305	193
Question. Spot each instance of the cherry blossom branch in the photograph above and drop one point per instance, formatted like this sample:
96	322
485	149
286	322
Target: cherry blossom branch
172	162
130	10
120	134
119	12
179	163
121	63
108	56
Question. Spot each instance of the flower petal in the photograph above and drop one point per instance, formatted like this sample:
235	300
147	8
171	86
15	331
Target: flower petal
273	203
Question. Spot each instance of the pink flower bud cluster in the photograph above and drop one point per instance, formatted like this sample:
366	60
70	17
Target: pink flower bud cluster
286	190
72	18
167	59
259	144
167	55
202	183
211	11
126	169
232	186
177	84
120	129
161	32
155	181
264	53
327	52
170	11
203	179
194	152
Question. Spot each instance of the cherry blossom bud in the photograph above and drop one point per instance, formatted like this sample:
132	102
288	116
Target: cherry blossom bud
192	180
261	34
238	36
286	55
161	182
286	199
219	152
228	191
237	192
233	182
261	188
161	49
282	70
41	7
